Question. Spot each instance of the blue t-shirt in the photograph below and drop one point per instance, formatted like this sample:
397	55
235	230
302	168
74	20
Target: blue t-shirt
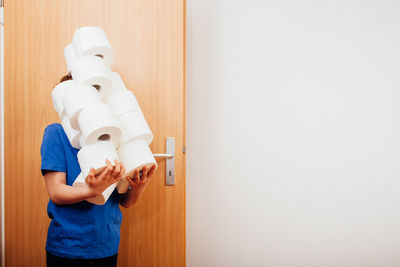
82	230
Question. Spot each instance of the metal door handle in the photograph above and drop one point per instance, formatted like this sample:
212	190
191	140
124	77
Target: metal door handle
170	160
168	156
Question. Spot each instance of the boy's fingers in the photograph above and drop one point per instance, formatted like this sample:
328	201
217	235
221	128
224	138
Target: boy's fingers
122	170
91	175
130	181
116	169
152	169
144	174
106	171
136	177
108	163
117	178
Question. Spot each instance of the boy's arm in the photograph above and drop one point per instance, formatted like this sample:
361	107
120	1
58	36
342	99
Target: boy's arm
138	184
61	193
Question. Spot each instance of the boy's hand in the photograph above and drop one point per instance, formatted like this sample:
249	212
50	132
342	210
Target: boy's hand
139	182
111	174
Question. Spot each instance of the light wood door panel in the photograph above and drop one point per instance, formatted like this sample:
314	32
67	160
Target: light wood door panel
148	40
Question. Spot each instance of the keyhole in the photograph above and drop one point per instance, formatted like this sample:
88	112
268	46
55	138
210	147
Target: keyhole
170	173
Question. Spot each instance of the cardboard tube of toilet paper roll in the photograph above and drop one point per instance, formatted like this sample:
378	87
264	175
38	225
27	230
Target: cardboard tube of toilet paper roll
70	56
92	41
121	102
100	199
134	155
134	126
57	96
72	134
95	155
91	70
76	99
97	123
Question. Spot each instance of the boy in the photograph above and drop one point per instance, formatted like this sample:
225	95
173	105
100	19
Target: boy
81	233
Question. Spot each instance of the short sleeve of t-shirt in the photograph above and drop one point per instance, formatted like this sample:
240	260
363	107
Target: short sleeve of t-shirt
52	151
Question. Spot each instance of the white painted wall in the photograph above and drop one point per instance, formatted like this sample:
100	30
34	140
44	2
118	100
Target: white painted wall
293	132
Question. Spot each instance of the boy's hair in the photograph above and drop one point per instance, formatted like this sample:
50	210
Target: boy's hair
65	78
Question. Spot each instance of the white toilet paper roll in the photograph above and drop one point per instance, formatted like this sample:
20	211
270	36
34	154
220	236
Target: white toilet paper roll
70	56
134	155
92	41
117	82
97	122
121	102
57	96
94	156
72	134
82	141
76	99
91	70
100	199
79	181
134	126
103	197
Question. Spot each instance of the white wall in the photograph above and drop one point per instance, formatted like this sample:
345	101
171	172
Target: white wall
293	132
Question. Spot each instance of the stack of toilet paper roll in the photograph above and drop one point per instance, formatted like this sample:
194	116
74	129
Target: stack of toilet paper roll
134	151
99	115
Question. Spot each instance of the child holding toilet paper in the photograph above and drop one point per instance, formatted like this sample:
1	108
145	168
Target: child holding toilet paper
81	232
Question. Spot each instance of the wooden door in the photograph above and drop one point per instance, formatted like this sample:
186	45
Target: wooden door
148	40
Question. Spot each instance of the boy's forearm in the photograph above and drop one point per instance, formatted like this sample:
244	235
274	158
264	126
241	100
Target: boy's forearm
130	197
66	194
